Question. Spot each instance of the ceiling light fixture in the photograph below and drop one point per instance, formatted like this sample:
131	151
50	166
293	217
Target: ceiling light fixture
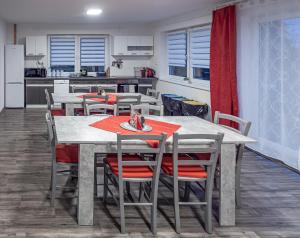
94	12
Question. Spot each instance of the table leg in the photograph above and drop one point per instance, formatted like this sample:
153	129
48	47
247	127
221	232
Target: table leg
69	109
227	185
85	212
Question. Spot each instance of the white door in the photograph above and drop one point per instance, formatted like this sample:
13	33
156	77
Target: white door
14	95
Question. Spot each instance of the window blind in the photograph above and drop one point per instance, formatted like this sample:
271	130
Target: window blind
177	48
62	51
200	47
92	51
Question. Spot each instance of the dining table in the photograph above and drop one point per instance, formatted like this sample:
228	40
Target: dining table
80	130
75	100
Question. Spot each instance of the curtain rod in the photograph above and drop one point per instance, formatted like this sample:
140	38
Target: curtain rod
229	3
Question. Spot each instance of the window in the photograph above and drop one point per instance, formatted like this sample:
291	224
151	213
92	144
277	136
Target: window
69	54
177	54
92	54
200	52
62	53
189	53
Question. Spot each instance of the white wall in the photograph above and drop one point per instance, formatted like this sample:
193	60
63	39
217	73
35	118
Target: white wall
2	43
24	30
192	90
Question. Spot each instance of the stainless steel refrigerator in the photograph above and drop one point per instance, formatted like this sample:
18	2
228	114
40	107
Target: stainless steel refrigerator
14	76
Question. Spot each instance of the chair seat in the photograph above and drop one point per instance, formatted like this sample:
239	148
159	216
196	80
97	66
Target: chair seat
190	171
128	171
58	112
67	154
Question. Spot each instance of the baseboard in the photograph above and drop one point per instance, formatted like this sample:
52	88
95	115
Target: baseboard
36	106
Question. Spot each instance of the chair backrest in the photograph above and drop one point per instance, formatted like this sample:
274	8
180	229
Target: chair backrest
48	99
152	93
124	102
148	109
244	126
99	108
203	144
108	88
155	164
87	101
81	89
50	127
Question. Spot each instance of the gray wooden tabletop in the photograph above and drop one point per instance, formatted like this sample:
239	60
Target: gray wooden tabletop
75	129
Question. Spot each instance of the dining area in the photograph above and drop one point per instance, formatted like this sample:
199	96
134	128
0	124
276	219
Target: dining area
125	141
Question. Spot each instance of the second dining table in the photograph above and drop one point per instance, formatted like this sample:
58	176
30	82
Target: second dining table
82	131
75	100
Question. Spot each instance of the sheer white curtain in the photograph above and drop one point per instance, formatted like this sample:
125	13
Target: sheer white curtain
269	76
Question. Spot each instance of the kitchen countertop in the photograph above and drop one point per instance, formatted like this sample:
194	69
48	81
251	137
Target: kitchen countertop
91	78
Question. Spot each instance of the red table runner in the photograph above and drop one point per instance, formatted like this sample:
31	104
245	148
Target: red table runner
112	124
112	98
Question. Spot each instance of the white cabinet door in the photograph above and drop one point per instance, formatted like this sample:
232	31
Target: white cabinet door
30	45
120	45
146	41
41	45
61	86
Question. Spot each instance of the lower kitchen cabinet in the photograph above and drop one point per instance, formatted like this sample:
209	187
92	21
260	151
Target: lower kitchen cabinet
35	93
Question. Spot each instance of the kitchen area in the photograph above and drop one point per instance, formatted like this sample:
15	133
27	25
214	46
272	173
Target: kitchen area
59	62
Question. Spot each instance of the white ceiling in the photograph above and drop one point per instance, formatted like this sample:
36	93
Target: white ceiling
114	11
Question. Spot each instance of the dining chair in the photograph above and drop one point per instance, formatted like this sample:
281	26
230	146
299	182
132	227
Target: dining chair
153	93
61	155
100	109
124	103
81	89
108	88
50	107
148	109
87	101
181	167
243	129
127	166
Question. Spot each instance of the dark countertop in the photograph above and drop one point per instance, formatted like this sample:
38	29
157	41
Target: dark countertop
91	78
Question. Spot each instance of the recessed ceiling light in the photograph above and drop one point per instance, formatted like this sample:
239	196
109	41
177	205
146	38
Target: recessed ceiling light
94	12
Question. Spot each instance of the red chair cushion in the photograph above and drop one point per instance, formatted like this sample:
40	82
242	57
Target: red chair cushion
67	153
191	171
203	156
128	171
124	113
58	112
79	111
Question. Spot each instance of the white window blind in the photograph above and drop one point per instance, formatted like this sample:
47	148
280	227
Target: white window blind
177	45
92	51
62	51
200	47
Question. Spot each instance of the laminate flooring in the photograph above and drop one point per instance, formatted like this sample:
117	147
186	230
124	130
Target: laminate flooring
270	195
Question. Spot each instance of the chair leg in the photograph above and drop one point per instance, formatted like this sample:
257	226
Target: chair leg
105	180
187	190
141	192
154	194
53	185
95	177
176	205
208	210
237	183
122	210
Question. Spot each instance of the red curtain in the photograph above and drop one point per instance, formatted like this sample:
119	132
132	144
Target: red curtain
223	82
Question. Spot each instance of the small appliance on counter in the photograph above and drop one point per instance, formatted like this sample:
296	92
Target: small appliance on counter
35	72
144	72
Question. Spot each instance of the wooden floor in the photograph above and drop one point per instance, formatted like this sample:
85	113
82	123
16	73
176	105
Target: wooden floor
270	195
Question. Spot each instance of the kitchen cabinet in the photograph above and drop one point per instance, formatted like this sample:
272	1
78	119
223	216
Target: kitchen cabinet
133	45
35	92
36	45
120	45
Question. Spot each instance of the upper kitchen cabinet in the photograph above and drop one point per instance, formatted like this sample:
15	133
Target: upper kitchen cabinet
36	45
133	45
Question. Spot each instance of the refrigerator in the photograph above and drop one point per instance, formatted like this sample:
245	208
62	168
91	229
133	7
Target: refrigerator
14	76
